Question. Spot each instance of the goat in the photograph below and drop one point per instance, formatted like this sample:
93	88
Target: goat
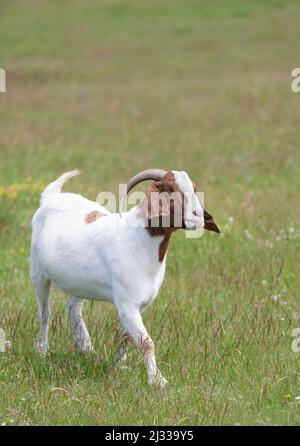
90	253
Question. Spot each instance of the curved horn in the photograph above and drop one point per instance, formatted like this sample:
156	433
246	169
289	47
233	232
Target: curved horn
149	174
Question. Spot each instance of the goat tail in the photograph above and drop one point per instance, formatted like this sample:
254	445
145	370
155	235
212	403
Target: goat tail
56	186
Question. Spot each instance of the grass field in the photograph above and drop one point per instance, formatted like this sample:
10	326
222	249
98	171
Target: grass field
113	87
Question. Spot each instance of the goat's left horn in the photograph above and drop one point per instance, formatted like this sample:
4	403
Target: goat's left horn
145	175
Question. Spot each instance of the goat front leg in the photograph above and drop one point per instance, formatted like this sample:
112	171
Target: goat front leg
80	332
135	331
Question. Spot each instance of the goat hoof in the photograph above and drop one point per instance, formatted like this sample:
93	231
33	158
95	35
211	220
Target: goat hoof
42	349
121	365
87	350
158	381
120	361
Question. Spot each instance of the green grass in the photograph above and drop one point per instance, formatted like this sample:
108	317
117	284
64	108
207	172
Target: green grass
113	87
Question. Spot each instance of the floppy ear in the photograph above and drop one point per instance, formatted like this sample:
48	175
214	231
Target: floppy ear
156	209
209	223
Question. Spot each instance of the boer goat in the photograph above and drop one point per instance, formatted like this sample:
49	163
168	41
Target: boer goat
90	253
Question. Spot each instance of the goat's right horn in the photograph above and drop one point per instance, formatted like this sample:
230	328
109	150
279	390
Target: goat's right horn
145	175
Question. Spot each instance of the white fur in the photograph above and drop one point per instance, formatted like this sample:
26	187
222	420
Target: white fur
194	217
105	260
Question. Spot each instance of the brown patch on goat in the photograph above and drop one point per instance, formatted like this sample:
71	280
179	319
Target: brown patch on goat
163	247
93	216
145	343
147	346
166	185
125	339
154	211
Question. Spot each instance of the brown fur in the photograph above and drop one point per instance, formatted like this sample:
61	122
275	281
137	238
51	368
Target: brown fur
147	346
163	247
168	185
93	216
125	339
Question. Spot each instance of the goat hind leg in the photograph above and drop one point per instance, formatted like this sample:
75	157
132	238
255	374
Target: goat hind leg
42	291
80	332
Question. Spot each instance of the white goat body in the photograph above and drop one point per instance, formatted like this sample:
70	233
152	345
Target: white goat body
109	259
